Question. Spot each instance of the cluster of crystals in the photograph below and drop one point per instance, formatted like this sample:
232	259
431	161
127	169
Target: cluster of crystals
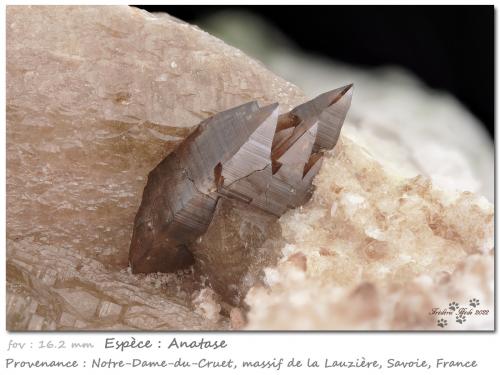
249	154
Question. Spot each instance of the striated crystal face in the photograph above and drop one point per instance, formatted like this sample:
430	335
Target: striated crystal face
245	154
98	96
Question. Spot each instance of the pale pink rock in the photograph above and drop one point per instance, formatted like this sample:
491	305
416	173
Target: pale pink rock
96	97
373	250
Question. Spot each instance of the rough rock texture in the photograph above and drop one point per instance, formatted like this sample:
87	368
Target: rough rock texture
373	250
97	96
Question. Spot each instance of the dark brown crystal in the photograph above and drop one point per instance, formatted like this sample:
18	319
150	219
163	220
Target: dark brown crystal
247	159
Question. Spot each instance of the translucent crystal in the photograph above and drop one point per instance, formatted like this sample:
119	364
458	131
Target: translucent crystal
98	96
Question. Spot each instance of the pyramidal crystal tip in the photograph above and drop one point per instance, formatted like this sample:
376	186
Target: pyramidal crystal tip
248	153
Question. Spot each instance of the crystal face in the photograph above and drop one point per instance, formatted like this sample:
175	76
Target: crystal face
264	161
91	109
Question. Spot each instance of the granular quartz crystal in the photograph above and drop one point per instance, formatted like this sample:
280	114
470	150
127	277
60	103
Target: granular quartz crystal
373	250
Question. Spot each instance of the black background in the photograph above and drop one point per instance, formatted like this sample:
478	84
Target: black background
448	47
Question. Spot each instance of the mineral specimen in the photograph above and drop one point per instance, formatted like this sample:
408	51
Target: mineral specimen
98	96
246	154
373	250
95	98
406	125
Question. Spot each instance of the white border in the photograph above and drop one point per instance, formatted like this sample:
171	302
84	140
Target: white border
482	347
